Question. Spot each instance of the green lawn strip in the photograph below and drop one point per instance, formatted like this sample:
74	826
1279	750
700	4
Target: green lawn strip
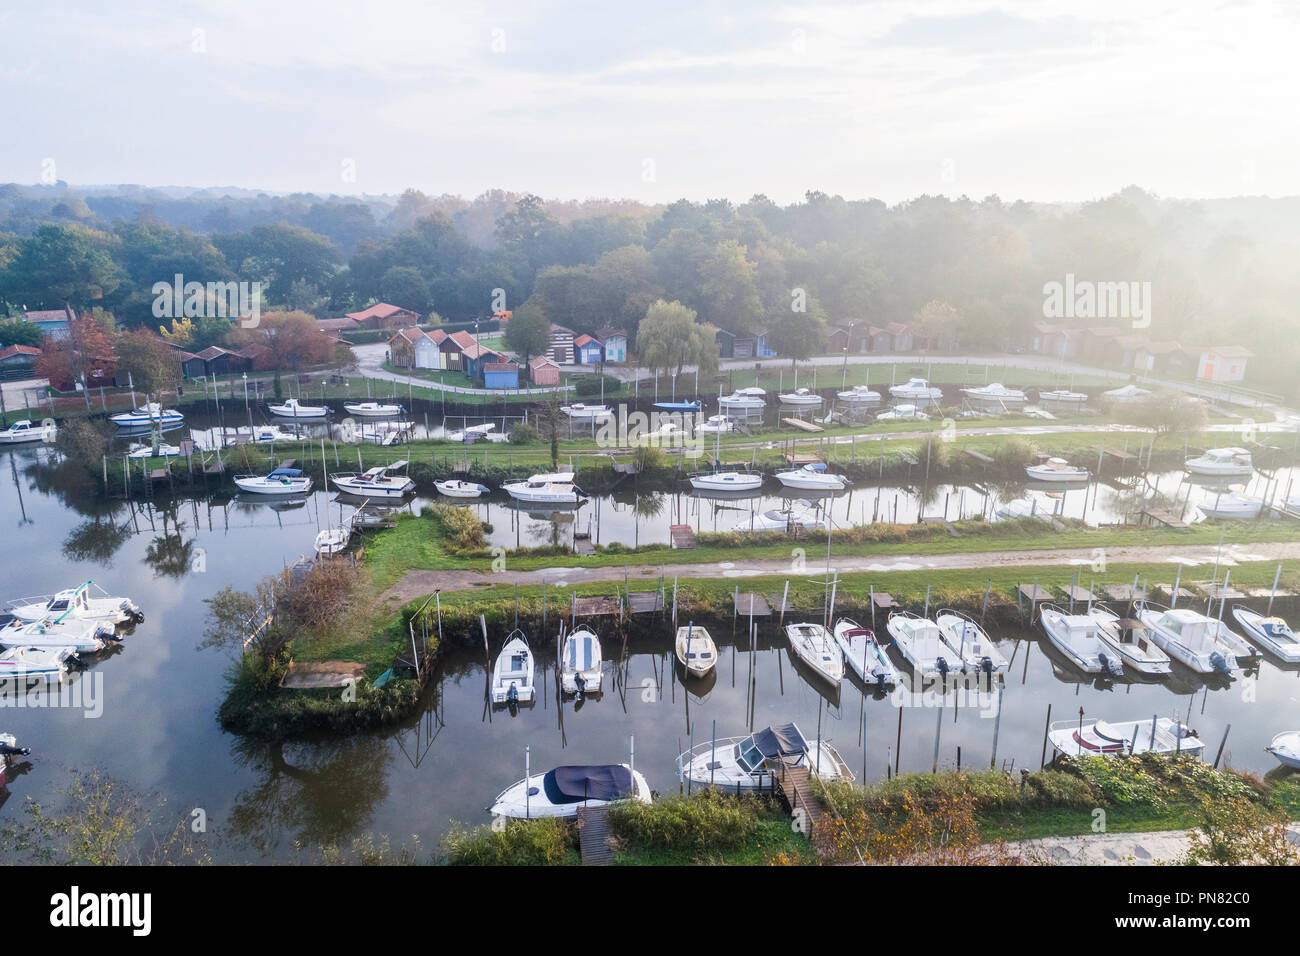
1033	824
772	835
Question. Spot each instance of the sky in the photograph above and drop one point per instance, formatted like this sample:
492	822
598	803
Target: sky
1042	100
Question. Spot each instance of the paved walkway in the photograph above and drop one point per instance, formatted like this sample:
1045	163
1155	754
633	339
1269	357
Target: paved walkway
1160	847
417	583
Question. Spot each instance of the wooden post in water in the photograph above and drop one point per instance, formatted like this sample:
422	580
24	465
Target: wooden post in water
1047	724
984	610
1226	730
786	593
938	726
898	744
997	724
1276	577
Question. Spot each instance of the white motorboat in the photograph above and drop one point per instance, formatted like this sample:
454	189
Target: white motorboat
81	604
294	409
814	645
695	650
372	409
380	482
163	450
1222	463
587	412
922	644
1094	738
151	413
1205	645
1129	638
716	425
745	399
281	481
784	519
727	481
26	431
1077	636
978	652
1062	396
269	434
1127	393
562	791
996	393
812	477
902	413
580	663
554	488
800	396
80	636
1286	748
9	748
24	663
858	395
753	762
1230	506
864	654
455	488
512	676
1057	469
1271	633
333	541
917	390
471	432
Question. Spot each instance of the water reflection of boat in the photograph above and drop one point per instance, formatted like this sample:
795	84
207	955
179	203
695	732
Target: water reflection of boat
274	503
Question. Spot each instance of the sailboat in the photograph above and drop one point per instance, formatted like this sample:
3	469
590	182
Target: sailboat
512	676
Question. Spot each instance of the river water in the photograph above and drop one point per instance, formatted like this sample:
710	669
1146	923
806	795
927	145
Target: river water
158	695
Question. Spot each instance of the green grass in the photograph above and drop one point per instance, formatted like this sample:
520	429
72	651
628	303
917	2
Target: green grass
772	835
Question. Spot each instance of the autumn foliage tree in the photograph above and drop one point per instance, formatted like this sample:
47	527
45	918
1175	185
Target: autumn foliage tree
85	353
285	341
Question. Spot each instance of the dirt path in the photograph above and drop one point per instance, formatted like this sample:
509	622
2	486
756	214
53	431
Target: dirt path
419	583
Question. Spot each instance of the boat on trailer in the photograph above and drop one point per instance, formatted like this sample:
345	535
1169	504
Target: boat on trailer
1097	738
754	762
512	676
864	654
975	648
1271	633
695	650
814	645
82	604
563	791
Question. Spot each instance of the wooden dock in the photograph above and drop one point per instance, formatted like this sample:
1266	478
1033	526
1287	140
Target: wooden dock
802	425
1162	516
582	544
593	836
751	605
884	601
645	602
595	606
812	816
683	536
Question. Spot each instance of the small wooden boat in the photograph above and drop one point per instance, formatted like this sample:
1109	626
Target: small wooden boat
580	663
695	650
562	791
816	648
1271	633
864	654
1286	748
512	677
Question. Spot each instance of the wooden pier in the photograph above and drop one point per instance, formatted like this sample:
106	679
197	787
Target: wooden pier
751	605
1163	517
582	544
802	425
593	836
683	536
595	606
815	819
645	602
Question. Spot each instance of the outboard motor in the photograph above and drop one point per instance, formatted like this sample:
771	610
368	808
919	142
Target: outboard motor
880	678
1220	665
1112	667
986	666
941	664
580	682
512	695
9	748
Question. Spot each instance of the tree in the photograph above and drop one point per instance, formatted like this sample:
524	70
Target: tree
1167	412
529	331
154	365
285	341
86	352
798	335
669	338
20	332
58	265
938	322
405	286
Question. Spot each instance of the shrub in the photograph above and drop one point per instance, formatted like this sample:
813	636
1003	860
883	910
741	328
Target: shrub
464	528
523	434
588	385
546	842
1012	454
707	820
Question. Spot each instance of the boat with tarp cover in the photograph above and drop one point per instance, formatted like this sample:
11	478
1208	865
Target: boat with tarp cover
562	791
751	763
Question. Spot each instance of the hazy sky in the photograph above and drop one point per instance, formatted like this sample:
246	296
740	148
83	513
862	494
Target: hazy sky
655	101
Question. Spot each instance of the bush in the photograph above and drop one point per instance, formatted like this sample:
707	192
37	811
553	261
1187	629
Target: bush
463	527
588	385
707	820
546	842
1012	454
524	433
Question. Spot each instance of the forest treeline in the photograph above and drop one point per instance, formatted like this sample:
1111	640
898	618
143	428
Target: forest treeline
966	274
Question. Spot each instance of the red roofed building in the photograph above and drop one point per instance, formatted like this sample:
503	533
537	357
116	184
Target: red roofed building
19	355
543	370
383	315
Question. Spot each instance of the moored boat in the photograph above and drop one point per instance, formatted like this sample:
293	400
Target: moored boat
151	413
864	654
1093	738
1202	643
813	645
26	431
1129	638
1286	748
372	409
1222	462
580	662
380	482
695	650
25	663
812	477
1057	469
280	481
1271	633
456	488
727	481
753	762
1077	637
562	791
82	604
294	409
512	675
552	488
1230	506
77	635
978	652
922	644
